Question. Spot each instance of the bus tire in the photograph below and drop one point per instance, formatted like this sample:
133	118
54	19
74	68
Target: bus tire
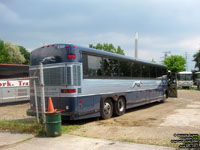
120	106
106	108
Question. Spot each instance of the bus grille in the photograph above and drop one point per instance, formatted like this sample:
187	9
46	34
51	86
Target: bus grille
55	76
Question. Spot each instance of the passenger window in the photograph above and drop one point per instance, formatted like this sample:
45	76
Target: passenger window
124	69
152	71
110	67
94	66
136	70
145	71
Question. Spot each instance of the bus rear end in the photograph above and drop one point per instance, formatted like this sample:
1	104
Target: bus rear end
62	77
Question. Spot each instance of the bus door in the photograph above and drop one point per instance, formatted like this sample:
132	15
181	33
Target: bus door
172	84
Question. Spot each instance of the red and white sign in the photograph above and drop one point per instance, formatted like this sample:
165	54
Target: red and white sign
14	82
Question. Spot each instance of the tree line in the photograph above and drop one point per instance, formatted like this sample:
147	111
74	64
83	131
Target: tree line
13	54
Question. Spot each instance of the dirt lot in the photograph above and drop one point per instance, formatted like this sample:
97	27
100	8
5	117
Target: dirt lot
151	124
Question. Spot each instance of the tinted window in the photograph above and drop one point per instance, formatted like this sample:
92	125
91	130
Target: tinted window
159	72
94	66
136	70
124	69
85	65
152	71
145	71
110	67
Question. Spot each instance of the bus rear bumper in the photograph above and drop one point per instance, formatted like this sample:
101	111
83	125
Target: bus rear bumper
65	115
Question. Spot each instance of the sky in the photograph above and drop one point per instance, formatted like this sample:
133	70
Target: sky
163	25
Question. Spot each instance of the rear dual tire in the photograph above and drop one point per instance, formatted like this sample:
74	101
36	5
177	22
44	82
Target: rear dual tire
108	107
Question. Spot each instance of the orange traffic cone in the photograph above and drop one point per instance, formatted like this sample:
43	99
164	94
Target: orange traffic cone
50	106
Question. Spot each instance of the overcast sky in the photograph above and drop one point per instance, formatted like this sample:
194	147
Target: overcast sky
163	25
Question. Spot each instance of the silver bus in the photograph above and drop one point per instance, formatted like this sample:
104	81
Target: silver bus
85	82
185	79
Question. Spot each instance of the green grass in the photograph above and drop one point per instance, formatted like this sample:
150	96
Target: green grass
22	127
32	127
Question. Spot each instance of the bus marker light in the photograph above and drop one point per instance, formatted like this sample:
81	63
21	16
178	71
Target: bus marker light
115	96
81	100
67	46
71	56
47	45
74	46
53	45
68	90
67	107
42	47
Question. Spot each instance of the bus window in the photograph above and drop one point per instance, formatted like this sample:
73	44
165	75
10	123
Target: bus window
85	65
110	67
145	71
124	69
152	71
136	70
94	66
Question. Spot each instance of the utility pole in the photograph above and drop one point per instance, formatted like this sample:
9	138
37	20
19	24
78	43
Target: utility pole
136	45
165	55
186	57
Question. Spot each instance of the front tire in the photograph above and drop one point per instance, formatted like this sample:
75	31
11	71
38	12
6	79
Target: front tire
106	109
120	106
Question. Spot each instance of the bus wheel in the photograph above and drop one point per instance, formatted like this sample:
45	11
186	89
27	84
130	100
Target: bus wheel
106	109
120	106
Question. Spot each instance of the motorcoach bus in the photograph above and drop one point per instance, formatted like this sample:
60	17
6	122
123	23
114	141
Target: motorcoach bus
185	79
85	82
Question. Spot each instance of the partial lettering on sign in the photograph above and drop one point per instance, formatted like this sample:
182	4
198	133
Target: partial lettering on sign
13	83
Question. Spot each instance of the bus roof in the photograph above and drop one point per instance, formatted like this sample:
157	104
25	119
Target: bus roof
100	52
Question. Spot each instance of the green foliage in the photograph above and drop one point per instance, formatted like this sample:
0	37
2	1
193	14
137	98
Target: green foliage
196	57
4	58
108	47
175	63
153	60
13	54
26	54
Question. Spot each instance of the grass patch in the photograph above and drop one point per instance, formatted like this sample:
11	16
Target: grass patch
22	127
68	128
32	127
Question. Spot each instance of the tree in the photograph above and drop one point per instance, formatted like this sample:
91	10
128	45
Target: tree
108	47
25	53
4	58
196	57
175	63
14	53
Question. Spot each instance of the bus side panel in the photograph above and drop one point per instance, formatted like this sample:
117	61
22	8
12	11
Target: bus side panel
88	107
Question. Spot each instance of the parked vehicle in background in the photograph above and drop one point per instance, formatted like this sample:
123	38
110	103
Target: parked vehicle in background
14	83
197	79
185	79
85	82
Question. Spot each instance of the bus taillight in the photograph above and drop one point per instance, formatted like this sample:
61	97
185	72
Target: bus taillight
71	56
68	90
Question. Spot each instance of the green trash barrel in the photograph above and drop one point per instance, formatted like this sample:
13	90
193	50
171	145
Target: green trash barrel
53	124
